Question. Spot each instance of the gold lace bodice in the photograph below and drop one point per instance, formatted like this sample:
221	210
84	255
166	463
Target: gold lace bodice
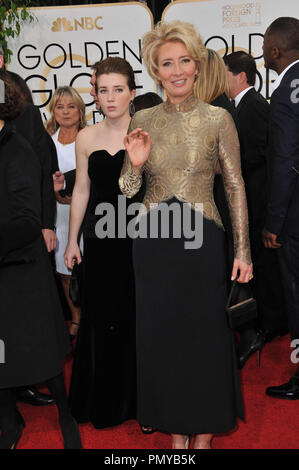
186	142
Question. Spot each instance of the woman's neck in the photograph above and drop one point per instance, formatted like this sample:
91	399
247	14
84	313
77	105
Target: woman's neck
179	99
67	135
1	124
120	124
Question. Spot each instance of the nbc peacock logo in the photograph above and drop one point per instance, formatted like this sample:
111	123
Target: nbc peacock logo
61	24
86	23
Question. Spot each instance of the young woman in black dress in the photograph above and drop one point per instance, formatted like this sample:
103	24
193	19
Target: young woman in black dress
103	385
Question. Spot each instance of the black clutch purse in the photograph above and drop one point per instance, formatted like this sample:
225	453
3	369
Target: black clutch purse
241	306
76	284
69	177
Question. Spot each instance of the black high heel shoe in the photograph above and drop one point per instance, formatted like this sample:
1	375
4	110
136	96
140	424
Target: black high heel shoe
256	344
9	439
147	429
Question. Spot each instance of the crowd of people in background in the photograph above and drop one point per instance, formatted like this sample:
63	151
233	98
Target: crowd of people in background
149	309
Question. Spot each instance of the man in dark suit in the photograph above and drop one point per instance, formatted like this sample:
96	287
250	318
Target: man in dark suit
281	232
30	126
253	119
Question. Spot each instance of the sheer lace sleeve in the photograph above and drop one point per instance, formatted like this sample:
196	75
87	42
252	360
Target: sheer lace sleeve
129	182
229	157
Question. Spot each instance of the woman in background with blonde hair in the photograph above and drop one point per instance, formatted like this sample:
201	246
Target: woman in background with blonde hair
186	368
211	85
67	118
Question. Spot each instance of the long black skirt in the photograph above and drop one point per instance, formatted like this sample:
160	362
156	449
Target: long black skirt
103	384
187	378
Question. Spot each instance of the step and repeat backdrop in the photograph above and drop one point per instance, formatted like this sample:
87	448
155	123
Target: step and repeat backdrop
227	26
61	44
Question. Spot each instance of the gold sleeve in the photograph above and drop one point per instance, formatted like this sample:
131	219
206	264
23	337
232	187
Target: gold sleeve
129	182
229	157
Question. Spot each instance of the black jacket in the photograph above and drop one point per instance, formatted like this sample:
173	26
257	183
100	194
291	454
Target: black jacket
283	157
30	126
253	117
20	176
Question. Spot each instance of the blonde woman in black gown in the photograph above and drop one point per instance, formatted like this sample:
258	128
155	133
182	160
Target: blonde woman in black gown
187	380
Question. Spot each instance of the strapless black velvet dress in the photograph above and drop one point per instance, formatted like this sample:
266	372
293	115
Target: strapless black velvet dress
103	384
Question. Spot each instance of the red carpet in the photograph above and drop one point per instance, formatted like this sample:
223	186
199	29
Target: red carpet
270	423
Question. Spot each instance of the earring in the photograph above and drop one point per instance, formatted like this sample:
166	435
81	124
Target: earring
132	109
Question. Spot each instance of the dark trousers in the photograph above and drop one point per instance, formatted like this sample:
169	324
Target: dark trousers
268	291
288	256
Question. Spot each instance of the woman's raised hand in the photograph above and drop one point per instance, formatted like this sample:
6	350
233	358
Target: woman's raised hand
138	145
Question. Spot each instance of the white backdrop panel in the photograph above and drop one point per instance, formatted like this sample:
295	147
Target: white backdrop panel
228	26
59	47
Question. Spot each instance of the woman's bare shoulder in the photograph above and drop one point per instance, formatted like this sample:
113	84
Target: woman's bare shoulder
89	139
89	131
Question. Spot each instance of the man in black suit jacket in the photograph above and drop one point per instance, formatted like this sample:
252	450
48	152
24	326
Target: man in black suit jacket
281	232
30	126
253	120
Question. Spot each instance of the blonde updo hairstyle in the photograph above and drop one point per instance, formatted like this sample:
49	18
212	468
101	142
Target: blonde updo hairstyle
174	31
212	80
52	125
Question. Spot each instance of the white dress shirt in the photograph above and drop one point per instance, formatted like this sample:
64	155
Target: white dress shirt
238	98
280	77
